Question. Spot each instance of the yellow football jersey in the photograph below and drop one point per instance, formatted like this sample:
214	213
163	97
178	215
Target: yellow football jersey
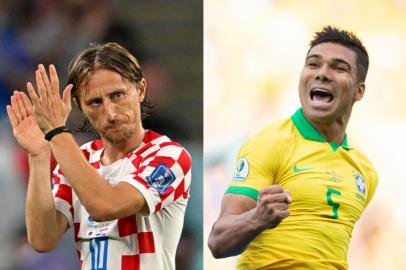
330	186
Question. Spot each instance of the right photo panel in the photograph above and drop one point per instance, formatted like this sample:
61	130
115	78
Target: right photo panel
304	127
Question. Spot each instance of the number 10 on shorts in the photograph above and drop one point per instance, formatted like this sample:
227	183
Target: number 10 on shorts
98	251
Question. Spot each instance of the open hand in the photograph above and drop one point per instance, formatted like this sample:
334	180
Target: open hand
51	111
25	127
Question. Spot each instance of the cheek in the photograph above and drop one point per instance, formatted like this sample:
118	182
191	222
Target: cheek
94	118
302	86
304	77
131	112
348	89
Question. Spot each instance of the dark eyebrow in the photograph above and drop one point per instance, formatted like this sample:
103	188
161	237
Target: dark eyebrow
341	61
335	60
91	100
318	56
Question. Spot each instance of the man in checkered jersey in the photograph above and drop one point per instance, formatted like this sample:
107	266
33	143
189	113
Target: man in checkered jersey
125	194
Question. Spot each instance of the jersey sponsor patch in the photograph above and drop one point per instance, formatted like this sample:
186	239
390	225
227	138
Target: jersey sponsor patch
361	186
161	178
241	170
99	229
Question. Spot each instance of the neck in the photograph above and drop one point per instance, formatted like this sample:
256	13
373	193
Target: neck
332	131
115	151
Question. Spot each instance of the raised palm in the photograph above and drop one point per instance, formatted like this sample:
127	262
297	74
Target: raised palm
25	127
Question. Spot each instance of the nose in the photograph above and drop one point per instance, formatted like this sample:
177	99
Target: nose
110	111
323	73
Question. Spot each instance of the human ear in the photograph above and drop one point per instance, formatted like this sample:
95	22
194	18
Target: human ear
142	89
359	92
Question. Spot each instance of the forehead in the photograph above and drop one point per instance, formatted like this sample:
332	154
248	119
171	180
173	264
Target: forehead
101	81
102	78
329	51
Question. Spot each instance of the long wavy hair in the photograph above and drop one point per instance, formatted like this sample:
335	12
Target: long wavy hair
111	56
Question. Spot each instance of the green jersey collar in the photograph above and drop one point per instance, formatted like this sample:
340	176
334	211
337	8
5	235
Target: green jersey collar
309	132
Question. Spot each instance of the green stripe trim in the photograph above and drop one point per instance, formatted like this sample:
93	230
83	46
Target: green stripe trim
250	192
306	129
334	146
345	143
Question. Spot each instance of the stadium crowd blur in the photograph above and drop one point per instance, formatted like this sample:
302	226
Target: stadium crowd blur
253	59
165	36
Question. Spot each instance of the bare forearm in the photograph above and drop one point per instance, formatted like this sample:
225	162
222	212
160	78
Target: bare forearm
40	208
94	193
231	234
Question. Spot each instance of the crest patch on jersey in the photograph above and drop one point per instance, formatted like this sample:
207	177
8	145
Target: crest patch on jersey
241	170
161	178
361	185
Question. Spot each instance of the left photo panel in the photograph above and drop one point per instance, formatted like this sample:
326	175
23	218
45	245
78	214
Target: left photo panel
101	127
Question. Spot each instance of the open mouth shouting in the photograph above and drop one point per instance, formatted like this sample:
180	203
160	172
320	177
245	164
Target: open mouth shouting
321	98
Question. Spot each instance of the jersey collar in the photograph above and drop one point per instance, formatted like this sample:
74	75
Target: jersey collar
309	132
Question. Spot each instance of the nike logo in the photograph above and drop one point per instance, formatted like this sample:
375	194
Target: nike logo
296	169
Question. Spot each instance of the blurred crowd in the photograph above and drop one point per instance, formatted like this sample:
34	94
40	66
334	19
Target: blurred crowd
253	59
48	31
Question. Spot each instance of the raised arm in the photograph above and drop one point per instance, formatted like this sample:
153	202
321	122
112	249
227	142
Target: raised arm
101	200
242	218
45	225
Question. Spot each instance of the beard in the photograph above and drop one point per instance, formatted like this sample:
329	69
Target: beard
119	136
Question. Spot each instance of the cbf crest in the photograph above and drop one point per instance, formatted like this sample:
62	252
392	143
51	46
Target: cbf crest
361	185
241	170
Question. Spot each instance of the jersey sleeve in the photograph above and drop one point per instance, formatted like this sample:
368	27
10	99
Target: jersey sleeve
372	184
163	176
62	193
256	167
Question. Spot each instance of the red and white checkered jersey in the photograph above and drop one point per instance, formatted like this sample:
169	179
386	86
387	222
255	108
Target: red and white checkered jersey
161	170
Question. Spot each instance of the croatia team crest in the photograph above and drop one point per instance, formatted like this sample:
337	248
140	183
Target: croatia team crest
161	178
361	185
241	170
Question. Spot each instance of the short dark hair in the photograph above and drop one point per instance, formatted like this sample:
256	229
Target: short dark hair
348	40
111	56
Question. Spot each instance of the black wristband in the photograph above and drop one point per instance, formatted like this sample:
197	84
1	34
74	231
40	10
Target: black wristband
56	131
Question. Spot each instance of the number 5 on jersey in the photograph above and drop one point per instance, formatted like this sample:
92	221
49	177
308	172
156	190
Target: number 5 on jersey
330	201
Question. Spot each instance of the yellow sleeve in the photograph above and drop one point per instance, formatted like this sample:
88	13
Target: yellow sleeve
372	183
257	164
370	175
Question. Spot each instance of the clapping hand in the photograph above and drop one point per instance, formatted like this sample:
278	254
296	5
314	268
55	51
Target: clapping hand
51	111
30	120
25	127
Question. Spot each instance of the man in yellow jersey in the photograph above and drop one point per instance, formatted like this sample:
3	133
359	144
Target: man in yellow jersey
299	187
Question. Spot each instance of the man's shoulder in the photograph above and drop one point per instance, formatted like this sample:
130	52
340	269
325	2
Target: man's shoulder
365	164
154	142
153	138
360	156
274	135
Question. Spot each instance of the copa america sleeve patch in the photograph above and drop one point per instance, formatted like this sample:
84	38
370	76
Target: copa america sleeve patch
242	169
161	178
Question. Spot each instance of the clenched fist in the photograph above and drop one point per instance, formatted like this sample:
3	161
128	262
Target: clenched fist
272	206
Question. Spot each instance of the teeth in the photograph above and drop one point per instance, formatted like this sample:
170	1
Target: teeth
321	93
320	90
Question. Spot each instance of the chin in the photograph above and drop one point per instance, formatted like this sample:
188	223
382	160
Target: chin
318	114
118	137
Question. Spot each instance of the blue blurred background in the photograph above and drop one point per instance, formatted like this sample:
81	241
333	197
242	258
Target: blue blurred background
167	39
